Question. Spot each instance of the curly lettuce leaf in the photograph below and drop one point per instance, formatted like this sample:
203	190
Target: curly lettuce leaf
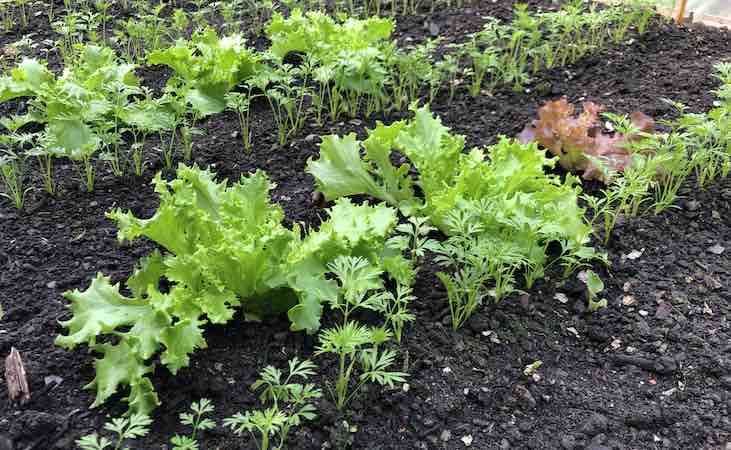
320	36
432	149
208	67
180	340
147	273
227	250
101	309
188	208
340	171
121	365
352	230
516	203
25	80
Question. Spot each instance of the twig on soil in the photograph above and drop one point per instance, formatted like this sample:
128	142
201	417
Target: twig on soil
18	390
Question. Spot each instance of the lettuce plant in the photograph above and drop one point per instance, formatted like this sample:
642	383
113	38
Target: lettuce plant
361	76
447	177
207	68
578	140
144	116
25	80
319	35
225	249
515	208
76	107
340	171
346	58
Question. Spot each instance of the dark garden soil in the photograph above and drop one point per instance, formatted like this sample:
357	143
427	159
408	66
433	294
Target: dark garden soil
652	370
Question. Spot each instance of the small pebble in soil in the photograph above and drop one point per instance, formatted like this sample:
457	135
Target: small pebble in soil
446	435
281	336
716	249
317	199
524	396
692	205
568	442
595	424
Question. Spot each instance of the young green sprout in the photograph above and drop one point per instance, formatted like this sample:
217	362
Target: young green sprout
290	404
132	427
594	286
354	344
11	175
197	422
241	104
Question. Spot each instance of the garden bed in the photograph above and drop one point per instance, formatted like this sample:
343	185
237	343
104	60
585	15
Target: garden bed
654	372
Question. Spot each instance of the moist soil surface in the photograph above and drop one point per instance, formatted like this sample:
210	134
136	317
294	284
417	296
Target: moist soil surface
651	370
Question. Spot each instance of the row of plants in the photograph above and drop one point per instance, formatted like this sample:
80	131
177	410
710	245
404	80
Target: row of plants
288	395
97	107
509	54
225	255
643	170
357	67
97	110
499	213
170	19
225	249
